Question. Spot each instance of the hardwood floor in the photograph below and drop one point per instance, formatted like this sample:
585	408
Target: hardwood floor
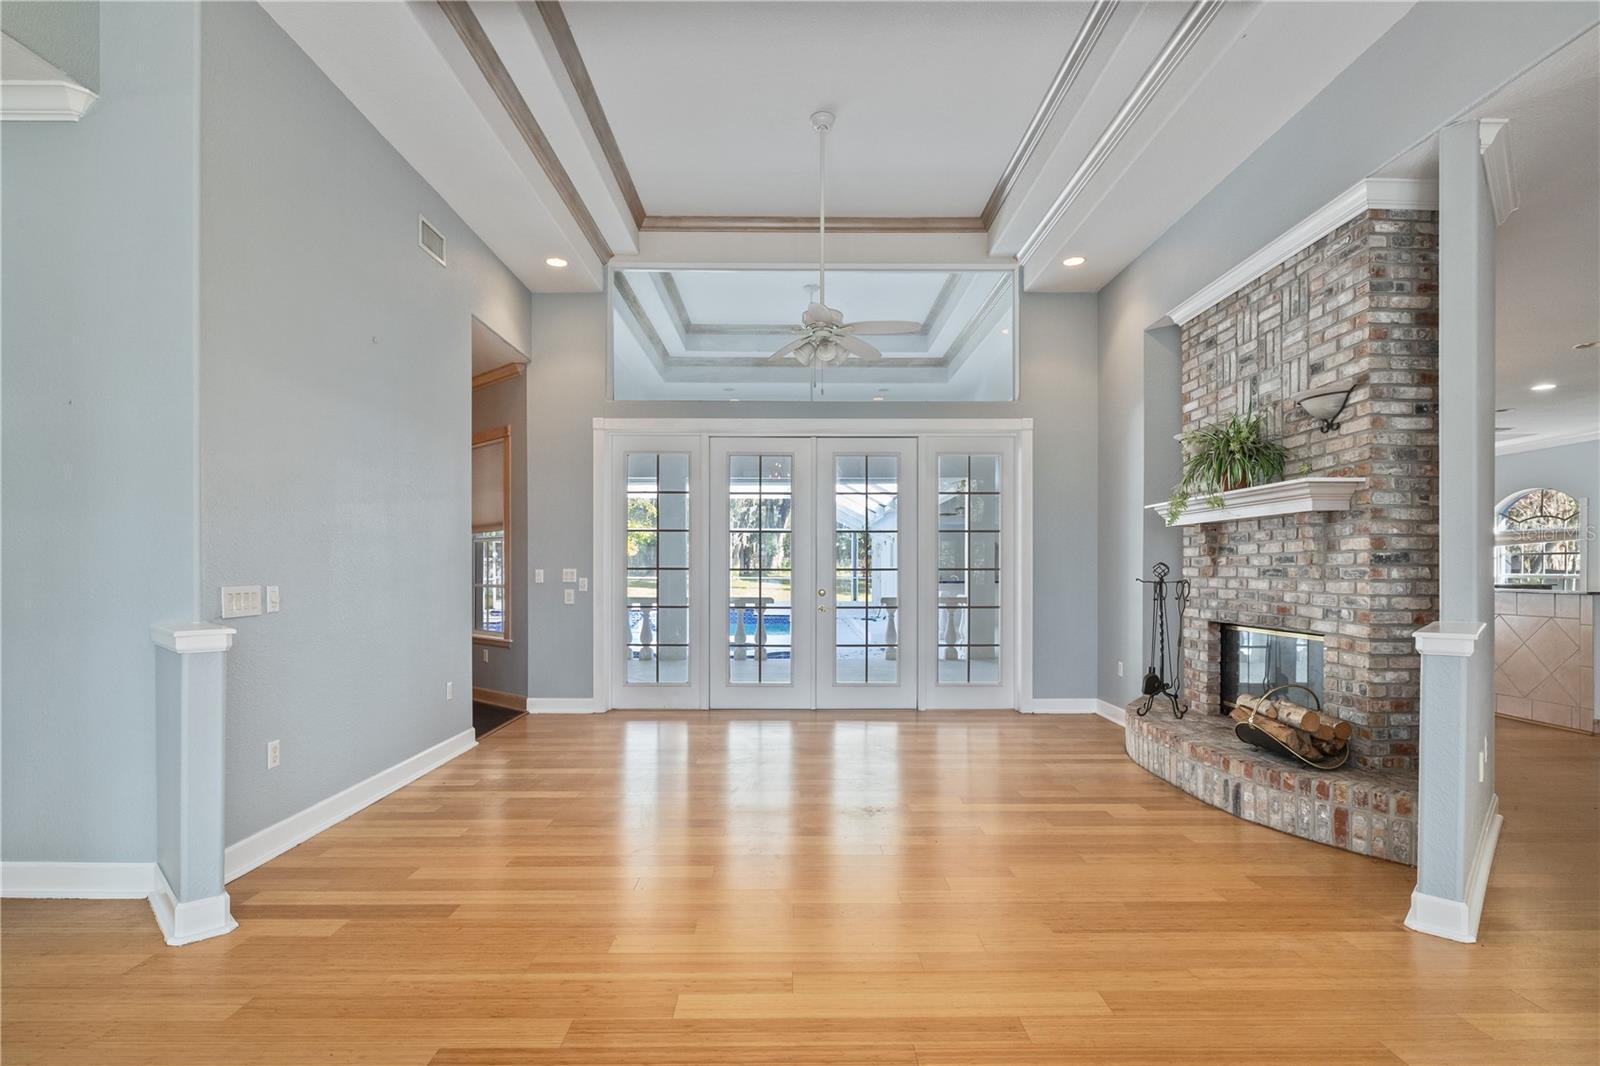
933	890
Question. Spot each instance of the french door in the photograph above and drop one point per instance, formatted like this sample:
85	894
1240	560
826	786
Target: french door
814	563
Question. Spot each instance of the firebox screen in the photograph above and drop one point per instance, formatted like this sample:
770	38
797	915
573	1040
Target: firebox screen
1255	661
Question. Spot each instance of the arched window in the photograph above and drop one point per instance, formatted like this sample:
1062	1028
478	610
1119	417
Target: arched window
1538	538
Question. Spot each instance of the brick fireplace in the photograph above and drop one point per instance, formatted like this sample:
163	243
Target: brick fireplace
1360	307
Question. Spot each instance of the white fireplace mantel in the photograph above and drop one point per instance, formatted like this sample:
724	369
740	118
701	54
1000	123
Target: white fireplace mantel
1259	501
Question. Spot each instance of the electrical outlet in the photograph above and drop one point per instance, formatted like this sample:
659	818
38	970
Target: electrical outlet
569	574
1119	667
538	577
583	584
272	599
485	652
274	754
568	597
1483	761
449	690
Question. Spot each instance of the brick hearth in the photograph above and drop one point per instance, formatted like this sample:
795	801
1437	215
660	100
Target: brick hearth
1370	812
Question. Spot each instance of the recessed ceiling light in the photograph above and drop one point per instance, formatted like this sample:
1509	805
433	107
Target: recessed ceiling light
1005	333
1073	261
555	261
1543	386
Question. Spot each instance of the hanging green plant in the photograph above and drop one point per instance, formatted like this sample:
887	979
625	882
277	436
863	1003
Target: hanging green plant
1223	456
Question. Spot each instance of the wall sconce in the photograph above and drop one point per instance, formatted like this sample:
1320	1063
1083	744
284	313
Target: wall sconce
1326	404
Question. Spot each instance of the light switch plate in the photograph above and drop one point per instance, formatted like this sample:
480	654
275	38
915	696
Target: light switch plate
272	599
568	596
241	601
583	584
569	574
274	754
538	577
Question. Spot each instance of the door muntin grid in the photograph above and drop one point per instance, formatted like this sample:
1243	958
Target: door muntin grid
968	555
656	641
759	626
866	593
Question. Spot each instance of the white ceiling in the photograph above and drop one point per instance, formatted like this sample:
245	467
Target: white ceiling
709	105
1547	253
710	102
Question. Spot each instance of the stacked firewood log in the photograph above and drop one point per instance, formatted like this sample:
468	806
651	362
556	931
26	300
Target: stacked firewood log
1302	730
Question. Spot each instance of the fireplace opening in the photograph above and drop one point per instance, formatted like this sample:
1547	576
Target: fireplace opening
1255	661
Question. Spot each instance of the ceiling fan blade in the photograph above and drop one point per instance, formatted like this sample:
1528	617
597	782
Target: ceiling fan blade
871	328
858	348
783	353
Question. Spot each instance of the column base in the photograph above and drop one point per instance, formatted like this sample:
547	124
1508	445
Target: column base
191	921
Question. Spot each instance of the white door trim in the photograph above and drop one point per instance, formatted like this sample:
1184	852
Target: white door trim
696	433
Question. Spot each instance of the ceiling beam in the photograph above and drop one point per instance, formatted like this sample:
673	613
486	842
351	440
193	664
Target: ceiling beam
461	18
1195	20
555	21
1066	76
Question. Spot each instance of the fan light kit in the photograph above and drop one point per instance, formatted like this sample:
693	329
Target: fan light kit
555	261
1325	404
826	339
1543	386
1073	261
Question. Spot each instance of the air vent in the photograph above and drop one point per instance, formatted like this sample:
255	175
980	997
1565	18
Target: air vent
430	239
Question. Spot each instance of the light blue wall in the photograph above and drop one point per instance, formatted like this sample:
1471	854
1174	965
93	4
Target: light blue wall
64	33
1572	468
566	391
1436	62
335	425
99	367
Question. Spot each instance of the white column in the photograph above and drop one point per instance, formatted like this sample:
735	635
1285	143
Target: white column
189	900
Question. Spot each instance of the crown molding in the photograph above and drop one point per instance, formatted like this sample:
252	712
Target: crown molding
1535	444
1194	24
1390	194
33	90
495	375
1494	143
1066	76
805	224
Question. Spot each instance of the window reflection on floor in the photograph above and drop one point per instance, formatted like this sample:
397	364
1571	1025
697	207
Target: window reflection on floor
654	789
866	781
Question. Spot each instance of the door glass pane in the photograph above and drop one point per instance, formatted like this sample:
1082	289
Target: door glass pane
967	612
760	560
656	644
866	493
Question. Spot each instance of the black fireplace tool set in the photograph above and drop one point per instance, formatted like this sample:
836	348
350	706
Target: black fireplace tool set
1162	665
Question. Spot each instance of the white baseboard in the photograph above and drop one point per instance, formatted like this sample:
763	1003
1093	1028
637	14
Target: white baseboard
1457	919
77	880
564	705
296	829
186	923
1078	705
1117	716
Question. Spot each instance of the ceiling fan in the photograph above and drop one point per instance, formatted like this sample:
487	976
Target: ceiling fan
826	339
